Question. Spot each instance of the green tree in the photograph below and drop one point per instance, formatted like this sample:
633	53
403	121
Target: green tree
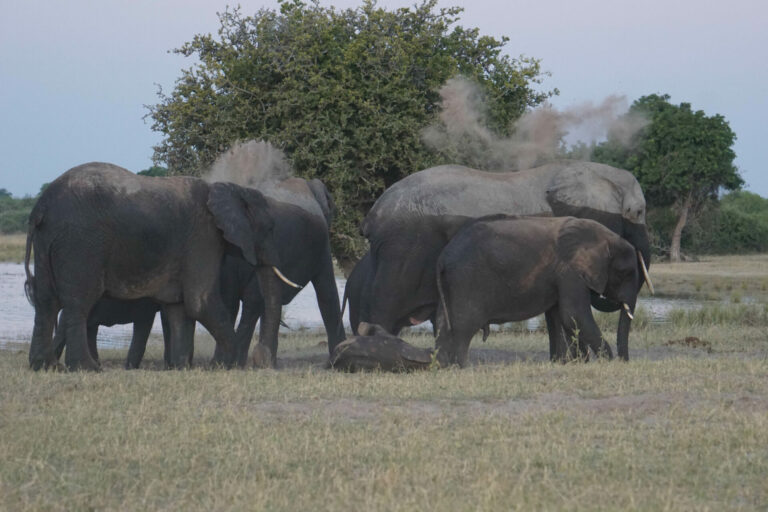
155	170
345	94
682	158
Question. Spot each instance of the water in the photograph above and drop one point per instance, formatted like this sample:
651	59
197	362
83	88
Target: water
17	316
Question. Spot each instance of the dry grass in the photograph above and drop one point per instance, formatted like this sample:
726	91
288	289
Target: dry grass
12	247
677	428
682	426
736	278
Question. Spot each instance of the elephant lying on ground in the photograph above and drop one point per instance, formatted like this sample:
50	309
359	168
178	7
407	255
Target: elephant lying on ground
502	269
376	349
99	229
414	219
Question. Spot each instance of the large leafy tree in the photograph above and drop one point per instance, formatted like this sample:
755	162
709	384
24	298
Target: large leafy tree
345	94
682	158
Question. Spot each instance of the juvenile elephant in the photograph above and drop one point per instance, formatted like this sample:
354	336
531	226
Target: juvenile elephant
109	312
414	219
100	230
502	269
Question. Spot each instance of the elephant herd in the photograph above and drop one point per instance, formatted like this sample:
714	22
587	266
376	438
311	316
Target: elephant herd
461	247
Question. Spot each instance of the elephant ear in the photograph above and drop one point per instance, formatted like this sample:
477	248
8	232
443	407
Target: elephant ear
230	212
324	199
584	247
577	187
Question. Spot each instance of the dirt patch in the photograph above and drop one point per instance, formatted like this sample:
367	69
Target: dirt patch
692	342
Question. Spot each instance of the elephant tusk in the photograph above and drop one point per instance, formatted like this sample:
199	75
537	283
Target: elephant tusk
629	313
285	279
645	272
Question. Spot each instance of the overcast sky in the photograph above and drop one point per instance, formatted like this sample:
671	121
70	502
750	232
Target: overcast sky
74	75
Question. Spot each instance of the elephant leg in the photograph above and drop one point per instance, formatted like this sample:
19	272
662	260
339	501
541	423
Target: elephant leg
271	291
559	348
59	342
41	351
182	336
141	329
92	332
216	319
252	311
622	336
166	338
328	301
73	322
579	323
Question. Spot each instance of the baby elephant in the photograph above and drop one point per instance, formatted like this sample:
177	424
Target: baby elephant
503	269
376	349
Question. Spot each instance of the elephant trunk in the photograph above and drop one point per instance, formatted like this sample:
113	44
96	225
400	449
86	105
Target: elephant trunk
622	335
270	321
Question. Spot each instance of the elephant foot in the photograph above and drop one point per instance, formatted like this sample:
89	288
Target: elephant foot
84	365
262	357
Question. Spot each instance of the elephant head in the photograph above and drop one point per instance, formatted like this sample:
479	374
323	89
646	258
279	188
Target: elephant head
242	215
610	196
606	263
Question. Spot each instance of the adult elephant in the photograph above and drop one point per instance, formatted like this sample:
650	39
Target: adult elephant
415	218
101	230
301	234
303	212
502	269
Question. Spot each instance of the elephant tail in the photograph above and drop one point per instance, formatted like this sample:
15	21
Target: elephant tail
35	219
441	293
29	284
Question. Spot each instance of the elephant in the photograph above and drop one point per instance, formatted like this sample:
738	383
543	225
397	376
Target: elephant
413	220
109	312
505	268
360	276
100	230
301	235
375	349
303	212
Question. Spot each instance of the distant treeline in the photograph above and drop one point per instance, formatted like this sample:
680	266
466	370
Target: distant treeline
737	223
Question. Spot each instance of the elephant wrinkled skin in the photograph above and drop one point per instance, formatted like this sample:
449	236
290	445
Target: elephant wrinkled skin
502	269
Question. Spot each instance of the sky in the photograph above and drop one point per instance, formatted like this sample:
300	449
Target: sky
75	75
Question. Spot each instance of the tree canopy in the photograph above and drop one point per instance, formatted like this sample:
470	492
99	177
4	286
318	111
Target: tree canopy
682	157
345	94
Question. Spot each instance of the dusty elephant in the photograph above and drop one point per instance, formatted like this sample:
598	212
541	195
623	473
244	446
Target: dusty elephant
303	212
375	349
100	229
500	269
414	219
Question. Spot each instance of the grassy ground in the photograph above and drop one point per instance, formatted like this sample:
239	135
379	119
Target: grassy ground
12	247
682	426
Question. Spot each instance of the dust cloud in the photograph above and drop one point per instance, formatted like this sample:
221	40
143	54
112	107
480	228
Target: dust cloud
539	136
250	164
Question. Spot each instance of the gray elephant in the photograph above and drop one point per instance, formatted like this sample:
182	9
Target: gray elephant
109	312
501	269
414	219
375	349
301	235
303	212
100	230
